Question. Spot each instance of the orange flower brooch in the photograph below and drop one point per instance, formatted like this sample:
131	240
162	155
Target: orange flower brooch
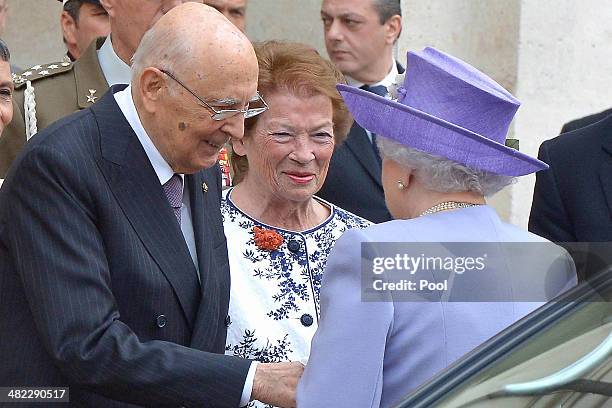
268	240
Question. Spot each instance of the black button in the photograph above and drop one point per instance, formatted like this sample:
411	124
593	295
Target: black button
293	246
161	321
228	320
306	320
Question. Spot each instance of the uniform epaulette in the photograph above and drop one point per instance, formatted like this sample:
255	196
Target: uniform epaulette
41	71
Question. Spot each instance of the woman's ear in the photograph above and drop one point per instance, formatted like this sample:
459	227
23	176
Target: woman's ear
406	179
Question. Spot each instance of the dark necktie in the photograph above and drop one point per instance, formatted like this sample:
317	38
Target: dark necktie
174	192
379	90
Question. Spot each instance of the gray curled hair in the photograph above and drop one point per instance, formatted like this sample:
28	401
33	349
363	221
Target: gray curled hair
441	174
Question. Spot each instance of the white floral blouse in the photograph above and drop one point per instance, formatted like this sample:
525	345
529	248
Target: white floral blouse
274	297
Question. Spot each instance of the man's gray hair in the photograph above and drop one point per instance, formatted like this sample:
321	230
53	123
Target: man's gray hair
162	49
387	9
441	174
5	55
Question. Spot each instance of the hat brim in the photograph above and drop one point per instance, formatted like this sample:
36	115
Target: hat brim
422	131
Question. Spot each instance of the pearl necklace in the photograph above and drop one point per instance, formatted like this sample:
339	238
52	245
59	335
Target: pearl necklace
447	205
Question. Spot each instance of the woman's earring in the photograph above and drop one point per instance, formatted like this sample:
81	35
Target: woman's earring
400	185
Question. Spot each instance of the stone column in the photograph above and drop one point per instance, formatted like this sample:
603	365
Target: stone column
484	33
564	72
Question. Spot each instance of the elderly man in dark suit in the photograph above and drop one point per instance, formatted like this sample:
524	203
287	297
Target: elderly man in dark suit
572	201
359	37
114	275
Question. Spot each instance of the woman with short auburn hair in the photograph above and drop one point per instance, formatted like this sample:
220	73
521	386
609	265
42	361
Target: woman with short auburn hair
278	232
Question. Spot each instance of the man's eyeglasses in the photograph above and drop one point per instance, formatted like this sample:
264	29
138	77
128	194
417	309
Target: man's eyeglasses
222	114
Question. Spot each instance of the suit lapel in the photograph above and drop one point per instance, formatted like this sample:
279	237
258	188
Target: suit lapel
209	332
359	145
136	187
605	172
202	239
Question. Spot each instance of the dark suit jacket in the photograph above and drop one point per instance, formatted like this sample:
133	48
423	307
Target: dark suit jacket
354	178
586	121
572	201
98	291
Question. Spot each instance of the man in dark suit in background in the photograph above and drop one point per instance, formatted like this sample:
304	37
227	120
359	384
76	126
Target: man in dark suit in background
572	201
233	10
359	37
114	275
586	121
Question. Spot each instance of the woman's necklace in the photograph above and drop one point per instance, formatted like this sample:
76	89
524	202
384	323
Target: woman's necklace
447	205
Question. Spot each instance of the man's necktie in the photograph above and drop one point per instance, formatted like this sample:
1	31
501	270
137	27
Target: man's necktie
379	90
174	191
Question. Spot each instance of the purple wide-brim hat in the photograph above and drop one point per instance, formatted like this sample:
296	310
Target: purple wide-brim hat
446	108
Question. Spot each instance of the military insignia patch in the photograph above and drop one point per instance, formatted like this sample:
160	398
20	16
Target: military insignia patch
91	98
40	71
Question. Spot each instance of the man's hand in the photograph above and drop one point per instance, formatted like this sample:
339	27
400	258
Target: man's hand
275	383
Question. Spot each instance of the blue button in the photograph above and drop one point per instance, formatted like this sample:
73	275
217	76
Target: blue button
293	246
161	321
307	320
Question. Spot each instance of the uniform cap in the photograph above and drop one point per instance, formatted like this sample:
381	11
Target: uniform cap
96	2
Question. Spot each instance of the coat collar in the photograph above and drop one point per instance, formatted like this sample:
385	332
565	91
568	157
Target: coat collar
115	70
136	187
389	79
605	170
90	81
606	129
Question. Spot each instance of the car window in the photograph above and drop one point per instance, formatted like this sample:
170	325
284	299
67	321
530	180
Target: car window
540	345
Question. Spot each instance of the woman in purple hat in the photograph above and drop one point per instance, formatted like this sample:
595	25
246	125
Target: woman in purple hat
452	274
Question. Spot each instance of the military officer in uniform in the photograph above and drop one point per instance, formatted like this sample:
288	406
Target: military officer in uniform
47	92
82	21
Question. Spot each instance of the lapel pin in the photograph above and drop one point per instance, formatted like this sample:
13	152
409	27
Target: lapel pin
204	187
91	98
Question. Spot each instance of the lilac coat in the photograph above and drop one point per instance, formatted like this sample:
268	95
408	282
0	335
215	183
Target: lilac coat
371	354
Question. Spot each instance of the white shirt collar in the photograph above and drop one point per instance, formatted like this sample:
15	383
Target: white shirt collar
388	80
114	69
126	104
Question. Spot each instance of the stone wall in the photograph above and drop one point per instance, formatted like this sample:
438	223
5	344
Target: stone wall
32	32
555	56
564	72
